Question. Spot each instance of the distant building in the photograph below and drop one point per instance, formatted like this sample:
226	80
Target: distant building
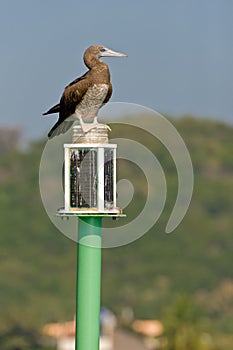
150	330
64	333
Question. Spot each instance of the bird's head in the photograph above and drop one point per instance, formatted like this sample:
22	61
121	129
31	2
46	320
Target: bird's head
95	52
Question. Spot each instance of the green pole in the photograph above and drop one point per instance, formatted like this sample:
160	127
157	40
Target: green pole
88	283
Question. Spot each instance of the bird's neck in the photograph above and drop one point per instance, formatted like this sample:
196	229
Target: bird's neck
90	62
100	71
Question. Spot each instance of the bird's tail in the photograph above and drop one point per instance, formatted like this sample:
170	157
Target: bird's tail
54	109
60	128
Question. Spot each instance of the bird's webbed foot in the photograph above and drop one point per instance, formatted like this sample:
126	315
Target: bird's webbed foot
86	127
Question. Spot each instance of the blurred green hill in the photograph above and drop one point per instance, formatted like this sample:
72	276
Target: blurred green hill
38	264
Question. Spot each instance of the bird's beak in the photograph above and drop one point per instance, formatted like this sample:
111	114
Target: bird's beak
108	53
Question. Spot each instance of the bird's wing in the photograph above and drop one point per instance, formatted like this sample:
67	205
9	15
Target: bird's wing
72	96
109	94
56	108
60	128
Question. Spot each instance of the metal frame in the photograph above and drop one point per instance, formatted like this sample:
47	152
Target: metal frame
100	147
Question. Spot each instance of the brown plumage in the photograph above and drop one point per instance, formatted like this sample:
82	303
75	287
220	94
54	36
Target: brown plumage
84	96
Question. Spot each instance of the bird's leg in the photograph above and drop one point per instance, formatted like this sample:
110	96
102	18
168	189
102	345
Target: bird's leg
95	123
86	127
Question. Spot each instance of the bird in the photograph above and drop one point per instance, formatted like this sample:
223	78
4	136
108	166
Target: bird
84	96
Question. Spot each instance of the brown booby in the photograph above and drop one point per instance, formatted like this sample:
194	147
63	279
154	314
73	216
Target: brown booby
84	96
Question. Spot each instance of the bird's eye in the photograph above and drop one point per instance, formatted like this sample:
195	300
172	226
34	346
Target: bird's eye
103	49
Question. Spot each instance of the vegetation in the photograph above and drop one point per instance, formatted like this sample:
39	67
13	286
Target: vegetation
38	264
183	326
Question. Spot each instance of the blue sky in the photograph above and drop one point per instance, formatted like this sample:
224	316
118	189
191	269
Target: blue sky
180	55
